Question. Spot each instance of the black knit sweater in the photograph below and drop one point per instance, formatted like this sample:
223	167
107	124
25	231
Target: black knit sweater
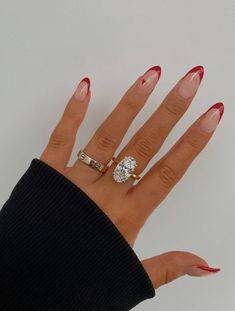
60	252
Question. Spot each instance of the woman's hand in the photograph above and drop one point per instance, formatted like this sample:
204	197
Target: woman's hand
128	205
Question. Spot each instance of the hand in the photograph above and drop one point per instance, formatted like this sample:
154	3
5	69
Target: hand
129	204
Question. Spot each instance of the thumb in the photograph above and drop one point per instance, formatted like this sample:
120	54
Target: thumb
169	266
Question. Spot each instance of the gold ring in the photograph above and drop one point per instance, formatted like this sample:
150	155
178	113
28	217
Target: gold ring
125	169
91	162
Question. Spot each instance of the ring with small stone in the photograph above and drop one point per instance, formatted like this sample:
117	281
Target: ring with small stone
124	169
91	162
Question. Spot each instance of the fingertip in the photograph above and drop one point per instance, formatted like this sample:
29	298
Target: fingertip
202	270
88	81
220	107
211	118
197	69
83	89
157	68
147	82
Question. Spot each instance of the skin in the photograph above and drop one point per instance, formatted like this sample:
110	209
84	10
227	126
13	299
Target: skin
129	204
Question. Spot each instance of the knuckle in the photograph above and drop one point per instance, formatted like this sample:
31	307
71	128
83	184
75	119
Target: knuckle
76	117
175	107
193	140
157	137
144	147
132	101
169	275
58	140
105	141
168	176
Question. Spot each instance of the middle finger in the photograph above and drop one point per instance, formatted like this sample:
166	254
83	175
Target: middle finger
149	138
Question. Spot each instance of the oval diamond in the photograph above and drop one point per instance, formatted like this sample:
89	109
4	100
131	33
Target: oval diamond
124	169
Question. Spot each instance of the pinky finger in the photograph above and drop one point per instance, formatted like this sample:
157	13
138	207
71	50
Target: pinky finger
62	139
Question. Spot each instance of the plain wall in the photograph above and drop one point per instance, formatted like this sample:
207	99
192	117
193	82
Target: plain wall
48	46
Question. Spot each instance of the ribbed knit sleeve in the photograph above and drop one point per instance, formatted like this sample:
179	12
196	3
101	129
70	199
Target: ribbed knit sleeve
60	252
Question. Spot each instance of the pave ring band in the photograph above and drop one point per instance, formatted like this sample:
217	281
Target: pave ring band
125	169
91	162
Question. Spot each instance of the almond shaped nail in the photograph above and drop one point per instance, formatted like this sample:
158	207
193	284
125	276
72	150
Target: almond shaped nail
211	118
208	269
82	89
149	79
201	270
189	84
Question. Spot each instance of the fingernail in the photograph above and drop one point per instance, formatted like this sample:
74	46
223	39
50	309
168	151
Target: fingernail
201	270
211	118
204	270
149	79
189	84
82	89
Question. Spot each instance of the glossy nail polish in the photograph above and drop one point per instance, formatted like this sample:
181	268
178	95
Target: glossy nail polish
201	270
188	85
211	118
82	89
208	269
149	79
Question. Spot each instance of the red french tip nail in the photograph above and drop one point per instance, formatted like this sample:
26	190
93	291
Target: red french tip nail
87	80
156	68
220	107
198	69
209	269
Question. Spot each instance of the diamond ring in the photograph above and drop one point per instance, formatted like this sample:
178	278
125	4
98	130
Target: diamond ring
124	169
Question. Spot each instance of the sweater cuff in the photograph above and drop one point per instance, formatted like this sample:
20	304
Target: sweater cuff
62	252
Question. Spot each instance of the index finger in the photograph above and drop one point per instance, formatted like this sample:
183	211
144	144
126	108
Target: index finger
110	133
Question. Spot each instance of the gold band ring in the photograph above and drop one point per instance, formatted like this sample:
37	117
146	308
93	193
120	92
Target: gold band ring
91	162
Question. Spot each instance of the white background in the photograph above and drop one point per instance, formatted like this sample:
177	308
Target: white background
48	46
